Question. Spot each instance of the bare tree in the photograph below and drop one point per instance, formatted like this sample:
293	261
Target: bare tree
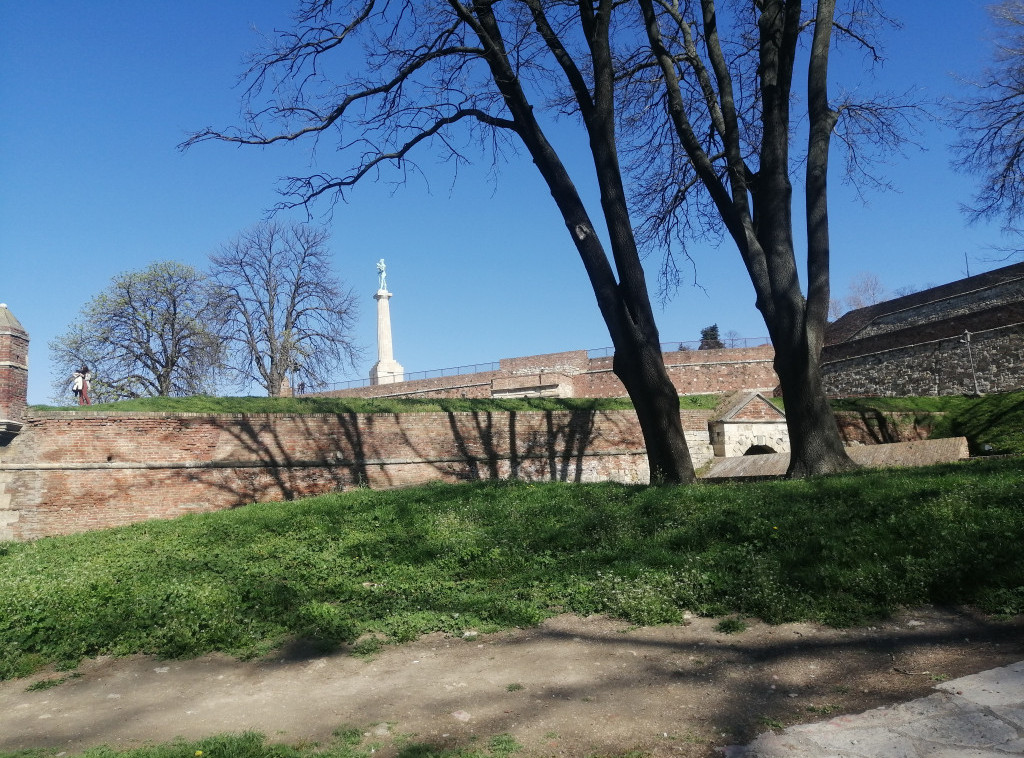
721	164
440	72
150	333
865	289
836	308
430	68
992	124
286	314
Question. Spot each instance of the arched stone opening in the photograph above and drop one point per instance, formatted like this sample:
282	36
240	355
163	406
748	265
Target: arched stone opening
759	450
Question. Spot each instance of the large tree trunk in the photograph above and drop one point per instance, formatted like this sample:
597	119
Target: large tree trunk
642	370
815	444
624	303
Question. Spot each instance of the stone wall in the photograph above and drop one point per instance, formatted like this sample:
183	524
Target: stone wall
958	338
933	367
69	472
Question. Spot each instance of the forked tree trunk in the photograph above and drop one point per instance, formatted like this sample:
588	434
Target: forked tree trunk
642	370
624	303
815	444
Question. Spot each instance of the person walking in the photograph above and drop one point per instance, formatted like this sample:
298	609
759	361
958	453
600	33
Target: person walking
82	385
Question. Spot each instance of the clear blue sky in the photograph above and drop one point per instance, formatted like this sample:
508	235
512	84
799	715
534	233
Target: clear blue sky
96	96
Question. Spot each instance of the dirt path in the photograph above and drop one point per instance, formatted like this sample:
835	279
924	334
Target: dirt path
574	687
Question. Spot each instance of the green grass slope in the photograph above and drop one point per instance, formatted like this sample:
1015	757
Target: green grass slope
364	566
299	405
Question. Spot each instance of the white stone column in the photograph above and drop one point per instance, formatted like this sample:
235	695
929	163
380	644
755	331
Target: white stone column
386	370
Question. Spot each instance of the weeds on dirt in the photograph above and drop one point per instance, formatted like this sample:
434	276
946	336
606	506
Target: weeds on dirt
349	743
731	625
359	569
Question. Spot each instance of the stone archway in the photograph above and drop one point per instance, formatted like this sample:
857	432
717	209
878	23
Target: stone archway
760	450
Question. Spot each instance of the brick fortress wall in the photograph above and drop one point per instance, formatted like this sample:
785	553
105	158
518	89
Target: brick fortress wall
70	472
693	372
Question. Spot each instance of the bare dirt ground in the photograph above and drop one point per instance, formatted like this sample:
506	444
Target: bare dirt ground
571	687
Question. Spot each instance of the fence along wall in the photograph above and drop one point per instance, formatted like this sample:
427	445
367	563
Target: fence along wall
71	472
693	372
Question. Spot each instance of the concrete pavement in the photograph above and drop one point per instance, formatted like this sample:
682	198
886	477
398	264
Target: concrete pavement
977	716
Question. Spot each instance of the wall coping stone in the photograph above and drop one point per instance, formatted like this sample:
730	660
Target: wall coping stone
100	415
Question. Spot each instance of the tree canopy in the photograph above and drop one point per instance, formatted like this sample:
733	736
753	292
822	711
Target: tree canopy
149	333
287	318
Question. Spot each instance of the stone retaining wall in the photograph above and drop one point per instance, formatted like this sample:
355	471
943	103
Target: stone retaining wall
994	362
958	338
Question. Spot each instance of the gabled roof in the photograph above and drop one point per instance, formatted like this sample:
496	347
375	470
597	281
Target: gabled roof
738	407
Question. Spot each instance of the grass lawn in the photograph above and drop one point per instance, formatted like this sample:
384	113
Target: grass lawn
365	568
207	404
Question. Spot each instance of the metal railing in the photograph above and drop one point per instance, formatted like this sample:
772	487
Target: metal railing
479	368
671	347
437	373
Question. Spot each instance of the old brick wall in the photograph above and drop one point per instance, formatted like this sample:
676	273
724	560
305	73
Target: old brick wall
693	372
460	385
884	427
71	472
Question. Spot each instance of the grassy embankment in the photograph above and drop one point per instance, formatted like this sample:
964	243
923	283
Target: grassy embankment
365	568
207	404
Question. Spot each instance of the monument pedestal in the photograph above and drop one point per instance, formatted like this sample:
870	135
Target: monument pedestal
386	370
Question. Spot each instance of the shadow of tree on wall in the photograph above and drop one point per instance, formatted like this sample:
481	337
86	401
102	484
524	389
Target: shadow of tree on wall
298	456
878	427
559	445
995	421
567	444
314	458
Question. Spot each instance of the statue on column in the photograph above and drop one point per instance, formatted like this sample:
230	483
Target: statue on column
382	273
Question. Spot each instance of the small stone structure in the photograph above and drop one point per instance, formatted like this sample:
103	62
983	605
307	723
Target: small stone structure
964	337
748	423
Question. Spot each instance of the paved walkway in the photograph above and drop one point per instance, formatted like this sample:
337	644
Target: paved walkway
977	716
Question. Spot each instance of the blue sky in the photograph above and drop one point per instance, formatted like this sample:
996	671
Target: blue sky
96	96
